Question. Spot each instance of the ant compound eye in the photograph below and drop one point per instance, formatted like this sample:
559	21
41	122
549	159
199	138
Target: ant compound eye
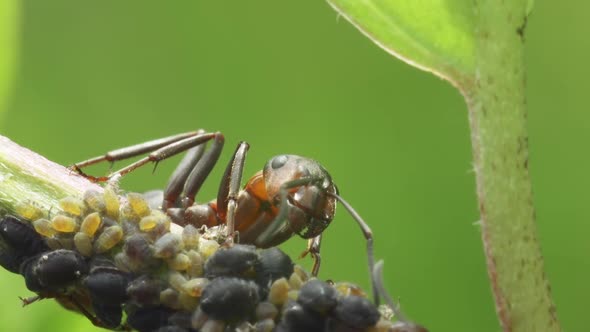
279	161
303	170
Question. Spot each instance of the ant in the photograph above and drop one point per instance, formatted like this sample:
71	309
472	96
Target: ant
291	195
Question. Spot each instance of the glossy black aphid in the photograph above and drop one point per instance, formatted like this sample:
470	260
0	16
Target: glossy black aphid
108	285
18	242
356	312
230	300
148	319
318	296
273	264
109	316
145	291
172	328
235	261
54	271
295	317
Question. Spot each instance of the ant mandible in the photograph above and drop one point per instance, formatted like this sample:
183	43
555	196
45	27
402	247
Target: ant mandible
291	195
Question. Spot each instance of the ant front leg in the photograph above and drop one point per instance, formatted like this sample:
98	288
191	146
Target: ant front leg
313	248
227	196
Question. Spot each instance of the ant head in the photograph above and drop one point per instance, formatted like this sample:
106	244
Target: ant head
308	185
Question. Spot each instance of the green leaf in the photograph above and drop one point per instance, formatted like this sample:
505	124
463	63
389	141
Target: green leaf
478	45
8	46
433	35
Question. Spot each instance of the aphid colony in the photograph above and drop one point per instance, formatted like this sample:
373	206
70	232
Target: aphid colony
127	266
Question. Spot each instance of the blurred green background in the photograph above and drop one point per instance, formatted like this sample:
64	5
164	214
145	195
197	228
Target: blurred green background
291	77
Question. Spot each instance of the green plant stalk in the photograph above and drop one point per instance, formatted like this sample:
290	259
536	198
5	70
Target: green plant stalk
489	71
28	177
497	113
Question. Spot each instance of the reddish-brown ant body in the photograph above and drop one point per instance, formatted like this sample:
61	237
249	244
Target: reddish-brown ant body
291	195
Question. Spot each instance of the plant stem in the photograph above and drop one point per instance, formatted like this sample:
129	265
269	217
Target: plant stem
27	176
497	111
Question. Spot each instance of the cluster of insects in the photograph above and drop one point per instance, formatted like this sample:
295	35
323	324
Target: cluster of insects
161	262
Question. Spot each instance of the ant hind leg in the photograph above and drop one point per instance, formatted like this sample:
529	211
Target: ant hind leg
128	152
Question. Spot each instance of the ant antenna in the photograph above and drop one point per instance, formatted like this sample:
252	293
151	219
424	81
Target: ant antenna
402	324
369	237
378	275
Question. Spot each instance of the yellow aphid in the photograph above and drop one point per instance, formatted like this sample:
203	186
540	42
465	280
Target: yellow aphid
53	243
162	222
91	224
279	292
347	289
212	325
190	236
266	310
64	224
207	248
168	245
72	205
139	206
196	266
109	238
43	227
189	303
176	280
123	263
111	201
148	223
199	318
295	281
170	298
293	294
180	262
83	244
301	273
58	242
194	287
29	210
265	325
94	200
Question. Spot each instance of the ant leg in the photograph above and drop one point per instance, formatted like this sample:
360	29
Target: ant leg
369	237
178	178
167	152
201	170
313	248
128	152
227	196
29	300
